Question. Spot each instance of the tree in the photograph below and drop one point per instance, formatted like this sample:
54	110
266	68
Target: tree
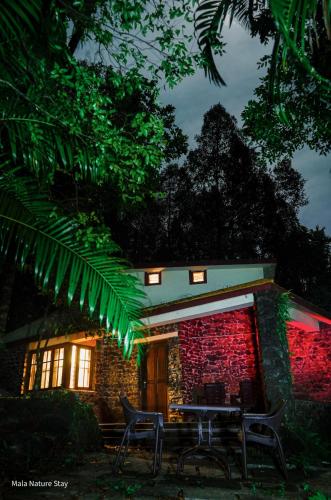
297	89
57	121
223	204
309	120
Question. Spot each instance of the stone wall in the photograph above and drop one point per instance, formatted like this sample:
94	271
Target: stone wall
174	376
310	355
273	352
114	375
218	348
11	368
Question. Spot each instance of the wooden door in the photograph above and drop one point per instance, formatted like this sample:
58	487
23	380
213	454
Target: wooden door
156	378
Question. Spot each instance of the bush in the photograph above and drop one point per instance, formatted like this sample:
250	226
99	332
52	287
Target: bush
44	431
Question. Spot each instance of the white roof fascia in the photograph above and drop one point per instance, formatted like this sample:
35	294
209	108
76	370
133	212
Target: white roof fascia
192	312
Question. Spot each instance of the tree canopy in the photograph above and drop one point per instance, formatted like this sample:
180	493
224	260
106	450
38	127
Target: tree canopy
294	100
223	204
67	121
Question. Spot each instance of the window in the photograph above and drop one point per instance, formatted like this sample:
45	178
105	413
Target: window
81	363
153	278
197	277
65	366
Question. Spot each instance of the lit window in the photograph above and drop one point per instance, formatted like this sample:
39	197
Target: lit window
197	277
46	369
67	366
80	373
73	367
153	278
58	367
33	371
84	367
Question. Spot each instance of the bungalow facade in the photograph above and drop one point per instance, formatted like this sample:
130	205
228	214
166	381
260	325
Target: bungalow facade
207	324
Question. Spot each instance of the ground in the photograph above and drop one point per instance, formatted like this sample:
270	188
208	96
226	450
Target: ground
92	479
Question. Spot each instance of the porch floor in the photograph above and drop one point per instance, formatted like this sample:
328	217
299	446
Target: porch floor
92	479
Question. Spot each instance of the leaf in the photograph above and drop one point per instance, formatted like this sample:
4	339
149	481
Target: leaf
29	221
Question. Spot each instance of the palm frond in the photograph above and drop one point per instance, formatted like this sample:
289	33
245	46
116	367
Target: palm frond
16	16
30	223
208	23
210	17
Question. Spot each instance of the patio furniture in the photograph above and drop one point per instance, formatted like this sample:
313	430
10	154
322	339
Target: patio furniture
248	393
247	397
204	445
263	429
132	417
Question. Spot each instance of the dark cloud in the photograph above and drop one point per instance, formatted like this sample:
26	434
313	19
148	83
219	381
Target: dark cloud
195	95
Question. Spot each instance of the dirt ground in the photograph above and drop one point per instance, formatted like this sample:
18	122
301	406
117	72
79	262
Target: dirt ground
92	479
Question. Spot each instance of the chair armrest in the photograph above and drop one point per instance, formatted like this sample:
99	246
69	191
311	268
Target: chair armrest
155	417
267	421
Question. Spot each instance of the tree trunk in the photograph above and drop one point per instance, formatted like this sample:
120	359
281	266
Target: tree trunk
6	291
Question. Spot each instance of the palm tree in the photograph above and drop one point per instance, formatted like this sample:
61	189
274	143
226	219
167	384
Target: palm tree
34	145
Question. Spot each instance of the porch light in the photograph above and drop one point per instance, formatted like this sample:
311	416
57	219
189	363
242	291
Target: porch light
197	277
153	278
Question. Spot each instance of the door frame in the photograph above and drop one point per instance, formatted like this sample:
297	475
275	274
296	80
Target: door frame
143	370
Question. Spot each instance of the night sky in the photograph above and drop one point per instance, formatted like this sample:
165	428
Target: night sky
195	95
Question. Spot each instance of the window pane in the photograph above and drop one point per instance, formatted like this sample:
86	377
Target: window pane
46	369
198	276
153	278
84	367
33	370
58	367
73	367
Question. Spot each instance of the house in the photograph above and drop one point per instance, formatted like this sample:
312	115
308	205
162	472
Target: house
205	322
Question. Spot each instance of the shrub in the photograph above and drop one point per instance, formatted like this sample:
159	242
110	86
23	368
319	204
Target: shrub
44	431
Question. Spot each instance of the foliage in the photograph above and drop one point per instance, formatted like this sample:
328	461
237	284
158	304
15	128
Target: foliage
293	106
45	431
283	316
67	121
306	445
309	114
295	23
252	212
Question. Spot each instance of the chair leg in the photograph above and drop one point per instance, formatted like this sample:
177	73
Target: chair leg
244	454
281	457
119	458
156	447
160	453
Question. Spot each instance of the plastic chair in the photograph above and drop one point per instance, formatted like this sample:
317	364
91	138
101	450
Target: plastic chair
269	421
132	417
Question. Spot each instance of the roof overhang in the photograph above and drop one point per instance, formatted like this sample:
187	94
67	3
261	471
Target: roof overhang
200	310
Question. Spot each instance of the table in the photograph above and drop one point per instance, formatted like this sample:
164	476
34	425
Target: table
204	413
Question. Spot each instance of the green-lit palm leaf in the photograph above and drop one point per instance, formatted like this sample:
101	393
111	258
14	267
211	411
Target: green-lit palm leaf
30	223
17	15
296	23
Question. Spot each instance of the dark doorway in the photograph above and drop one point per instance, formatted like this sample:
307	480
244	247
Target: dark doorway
155	378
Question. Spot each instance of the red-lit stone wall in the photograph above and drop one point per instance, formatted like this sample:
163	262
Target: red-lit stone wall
218	348
310	355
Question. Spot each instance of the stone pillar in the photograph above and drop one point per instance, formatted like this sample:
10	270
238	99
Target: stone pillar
274	357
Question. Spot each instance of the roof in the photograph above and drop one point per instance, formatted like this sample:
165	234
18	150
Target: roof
64	319
233	263
235	291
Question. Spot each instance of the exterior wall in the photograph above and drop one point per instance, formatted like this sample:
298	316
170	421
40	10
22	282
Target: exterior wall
310	356
175	281
11	368
218	348
114	375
